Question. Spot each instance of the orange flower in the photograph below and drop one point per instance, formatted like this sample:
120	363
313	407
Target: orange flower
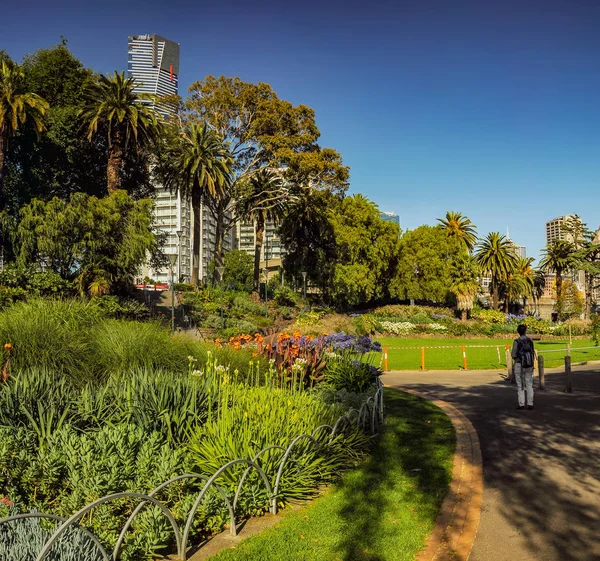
296	334
8	346
218	342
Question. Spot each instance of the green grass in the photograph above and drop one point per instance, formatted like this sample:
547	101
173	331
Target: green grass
381	511
477	358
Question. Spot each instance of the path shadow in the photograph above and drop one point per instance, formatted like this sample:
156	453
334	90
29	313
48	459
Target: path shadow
541	468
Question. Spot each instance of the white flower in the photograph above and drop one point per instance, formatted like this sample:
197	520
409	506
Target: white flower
398	328
197	373
192	359
220	368
436	327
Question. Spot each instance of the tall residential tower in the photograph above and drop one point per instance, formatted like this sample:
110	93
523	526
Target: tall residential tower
153	62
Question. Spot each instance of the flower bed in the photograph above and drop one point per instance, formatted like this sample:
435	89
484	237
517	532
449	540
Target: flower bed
65	442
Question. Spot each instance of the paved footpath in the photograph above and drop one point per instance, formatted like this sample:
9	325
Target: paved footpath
541	498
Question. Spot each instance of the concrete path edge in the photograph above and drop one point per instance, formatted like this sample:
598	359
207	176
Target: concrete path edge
456	525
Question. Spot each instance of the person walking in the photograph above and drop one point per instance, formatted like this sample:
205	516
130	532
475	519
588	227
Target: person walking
523	356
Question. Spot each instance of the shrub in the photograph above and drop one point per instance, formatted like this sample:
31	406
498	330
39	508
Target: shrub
401	311
122	308
284	296
489	316
577	326
399	328
350	375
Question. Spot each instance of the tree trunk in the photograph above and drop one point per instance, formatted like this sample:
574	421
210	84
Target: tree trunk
260	232
196	237
3	152
219	235
463	315
115	163
589	286
495	297
506	303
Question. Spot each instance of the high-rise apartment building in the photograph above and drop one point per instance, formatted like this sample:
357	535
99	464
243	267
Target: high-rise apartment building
555	227
153	62
271	252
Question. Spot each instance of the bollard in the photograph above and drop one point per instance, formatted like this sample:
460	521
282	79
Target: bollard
498	351
464	357
569	388
541	372
423	359
385	359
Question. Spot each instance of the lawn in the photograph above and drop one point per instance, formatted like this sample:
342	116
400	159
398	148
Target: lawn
381	511
405	353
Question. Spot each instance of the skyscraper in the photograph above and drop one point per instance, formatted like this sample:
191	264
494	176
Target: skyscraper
153	62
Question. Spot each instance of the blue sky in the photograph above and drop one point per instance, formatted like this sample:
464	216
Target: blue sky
488	107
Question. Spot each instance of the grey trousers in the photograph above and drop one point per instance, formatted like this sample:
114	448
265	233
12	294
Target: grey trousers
524	378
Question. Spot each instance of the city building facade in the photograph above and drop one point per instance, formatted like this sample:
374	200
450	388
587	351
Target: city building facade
555	228
153	63
272	251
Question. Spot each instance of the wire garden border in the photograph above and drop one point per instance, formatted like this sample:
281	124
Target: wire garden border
368	417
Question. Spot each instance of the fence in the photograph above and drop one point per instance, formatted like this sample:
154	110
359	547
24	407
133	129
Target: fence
368	417
502	353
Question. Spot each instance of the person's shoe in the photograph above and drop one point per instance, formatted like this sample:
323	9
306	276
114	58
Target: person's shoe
521	407
530	407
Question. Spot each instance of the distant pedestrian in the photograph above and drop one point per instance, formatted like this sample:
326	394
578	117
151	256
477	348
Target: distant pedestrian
523	355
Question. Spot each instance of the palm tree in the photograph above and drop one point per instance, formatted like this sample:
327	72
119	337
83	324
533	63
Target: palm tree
519	283
264	198
16	108
559	256
460	228
539	284
199	165
496	257
465	273
112	105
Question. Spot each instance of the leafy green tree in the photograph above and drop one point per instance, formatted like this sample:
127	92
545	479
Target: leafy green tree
569	302
262	131
17	107
460	228
366	253
423	273
465	274
98	243
198	164
238	271
307	234
262	197
113	108
497	258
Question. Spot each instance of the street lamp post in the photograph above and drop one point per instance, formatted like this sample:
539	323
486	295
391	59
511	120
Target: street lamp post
179	232
416	271
304	273
172	261
266	291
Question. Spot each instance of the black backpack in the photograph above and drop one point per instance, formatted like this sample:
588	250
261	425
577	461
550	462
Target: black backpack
525	354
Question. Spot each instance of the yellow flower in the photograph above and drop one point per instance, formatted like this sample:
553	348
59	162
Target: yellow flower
245	414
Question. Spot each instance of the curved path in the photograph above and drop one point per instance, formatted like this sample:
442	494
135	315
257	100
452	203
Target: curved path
541	468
